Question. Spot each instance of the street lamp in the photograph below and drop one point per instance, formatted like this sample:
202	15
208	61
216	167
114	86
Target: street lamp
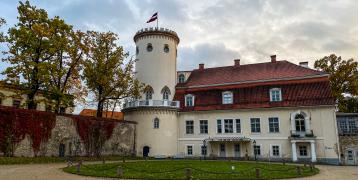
254	149
205	150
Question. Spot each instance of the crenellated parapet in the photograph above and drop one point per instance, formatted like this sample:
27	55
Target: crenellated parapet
156	32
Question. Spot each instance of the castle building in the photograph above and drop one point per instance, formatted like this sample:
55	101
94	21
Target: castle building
271	111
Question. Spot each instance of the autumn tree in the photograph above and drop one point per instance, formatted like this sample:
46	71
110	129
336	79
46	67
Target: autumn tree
30	49
2	22
343	79
47	53
106	73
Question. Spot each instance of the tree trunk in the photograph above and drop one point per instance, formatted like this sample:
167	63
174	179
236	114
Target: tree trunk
31	102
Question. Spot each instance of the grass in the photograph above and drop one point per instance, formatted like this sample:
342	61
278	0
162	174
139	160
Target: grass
45	160
175	169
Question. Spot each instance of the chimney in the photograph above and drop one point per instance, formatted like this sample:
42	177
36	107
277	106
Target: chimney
273	58
201	66
237	62
304	64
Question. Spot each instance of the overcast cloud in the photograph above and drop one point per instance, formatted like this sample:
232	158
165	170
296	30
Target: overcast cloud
216	32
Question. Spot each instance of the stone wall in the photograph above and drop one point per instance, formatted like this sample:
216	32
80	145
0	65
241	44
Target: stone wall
64	135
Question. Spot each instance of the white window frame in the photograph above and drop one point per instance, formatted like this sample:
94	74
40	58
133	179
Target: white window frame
271	94
231	96
233	126
207	126
192	149
186	132
279	124
179	80
253	150
166	95
307	150
221	126
279	150
236	126
259	126
192	100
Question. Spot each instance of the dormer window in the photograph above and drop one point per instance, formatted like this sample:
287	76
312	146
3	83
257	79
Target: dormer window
189	100
181	78
227	97
275	95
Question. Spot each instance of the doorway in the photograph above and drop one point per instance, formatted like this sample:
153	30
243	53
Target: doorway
222	150
237	150
350	157
61	150
145	151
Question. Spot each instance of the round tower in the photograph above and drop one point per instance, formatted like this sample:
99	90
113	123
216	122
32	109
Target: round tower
156	59
155	112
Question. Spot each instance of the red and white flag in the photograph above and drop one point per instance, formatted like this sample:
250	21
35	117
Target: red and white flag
153	18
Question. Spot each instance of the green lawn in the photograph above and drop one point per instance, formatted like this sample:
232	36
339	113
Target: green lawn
44	160
175	169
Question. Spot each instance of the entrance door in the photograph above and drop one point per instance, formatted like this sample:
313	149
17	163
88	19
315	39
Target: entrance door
222	150
237	150
350	157
61	150
145	151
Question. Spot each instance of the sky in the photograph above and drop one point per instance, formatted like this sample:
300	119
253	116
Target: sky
216	32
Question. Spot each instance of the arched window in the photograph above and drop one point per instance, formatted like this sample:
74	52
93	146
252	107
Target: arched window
156	123
149	47
166	48
137	50
181	78
300	123
148	91
166	93
189	100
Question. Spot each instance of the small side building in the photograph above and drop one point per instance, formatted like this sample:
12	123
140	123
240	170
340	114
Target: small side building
348	137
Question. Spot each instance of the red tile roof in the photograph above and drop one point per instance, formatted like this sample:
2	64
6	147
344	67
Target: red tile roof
105	114
246	73
251	83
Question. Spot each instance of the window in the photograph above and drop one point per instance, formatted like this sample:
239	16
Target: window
166	92
189	150
275	150
189	127
238	125
189	100
257	150
228	126
218	126
204	150
62	110
275	94
303	150
148	95
300	123
352	126
156	123
274	125
181	78
166	48
255	125
203	126
227	97
149	47
16	103
136	50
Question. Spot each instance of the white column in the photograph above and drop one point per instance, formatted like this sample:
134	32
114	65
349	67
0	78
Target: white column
313	152
294	152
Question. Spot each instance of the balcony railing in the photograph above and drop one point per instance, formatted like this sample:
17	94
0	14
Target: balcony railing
301	134
151	103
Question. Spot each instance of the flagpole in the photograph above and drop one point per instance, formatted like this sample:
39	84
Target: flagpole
157	21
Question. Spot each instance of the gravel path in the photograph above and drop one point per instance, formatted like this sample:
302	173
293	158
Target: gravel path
53	172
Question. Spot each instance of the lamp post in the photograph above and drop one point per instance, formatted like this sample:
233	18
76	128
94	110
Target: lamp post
204	144
254	149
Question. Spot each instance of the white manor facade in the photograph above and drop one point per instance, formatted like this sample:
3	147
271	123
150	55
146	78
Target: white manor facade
271	111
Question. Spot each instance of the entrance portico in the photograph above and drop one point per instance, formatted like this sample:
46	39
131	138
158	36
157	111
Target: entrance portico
233	147
301	146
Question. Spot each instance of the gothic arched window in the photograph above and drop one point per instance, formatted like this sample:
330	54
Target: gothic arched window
156	123
166	93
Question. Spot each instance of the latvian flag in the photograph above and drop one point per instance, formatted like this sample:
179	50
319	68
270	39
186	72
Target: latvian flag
153	18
